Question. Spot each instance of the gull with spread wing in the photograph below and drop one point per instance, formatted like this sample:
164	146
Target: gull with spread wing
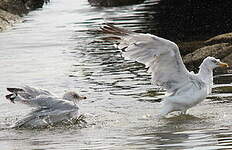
163	60
50	109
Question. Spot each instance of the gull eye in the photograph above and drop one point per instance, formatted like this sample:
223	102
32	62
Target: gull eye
214	61
76	96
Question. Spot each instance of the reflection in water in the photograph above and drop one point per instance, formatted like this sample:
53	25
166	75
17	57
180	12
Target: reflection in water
175	134
224	139
223	79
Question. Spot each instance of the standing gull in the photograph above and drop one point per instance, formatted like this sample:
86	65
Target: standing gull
162	58
50	109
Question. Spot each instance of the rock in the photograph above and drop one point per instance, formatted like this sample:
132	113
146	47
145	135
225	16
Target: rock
16	7
223	38
228	59
11	10
193	60
34	4
189	47
112	3
7	19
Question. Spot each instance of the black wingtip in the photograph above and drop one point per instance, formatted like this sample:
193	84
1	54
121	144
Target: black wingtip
111	29
10	97
14	90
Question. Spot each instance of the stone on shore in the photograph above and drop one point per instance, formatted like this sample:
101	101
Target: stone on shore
189	47
194	59
16	7
223	38
228	59
7	19
12	10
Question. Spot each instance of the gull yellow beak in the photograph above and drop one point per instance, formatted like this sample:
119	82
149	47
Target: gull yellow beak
223	65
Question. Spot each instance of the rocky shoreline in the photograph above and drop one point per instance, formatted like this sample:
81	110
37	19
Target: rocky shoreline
219	47
12	10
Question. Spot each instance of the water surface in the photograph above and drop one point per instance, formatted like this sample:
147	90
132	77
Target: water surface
58	48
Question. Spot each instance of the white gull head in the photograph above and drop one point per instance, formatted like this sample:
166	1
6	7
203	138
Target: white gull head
211	63
73	96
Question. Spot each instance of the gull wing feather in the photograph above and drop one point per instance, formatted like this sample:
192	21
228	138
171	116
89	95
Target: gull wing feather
161	56
45	101
27	92
38	98
34	115
35	92
43	117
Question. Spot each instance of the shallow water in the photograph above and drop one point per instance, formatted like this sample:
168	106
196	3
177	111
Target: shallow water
57	48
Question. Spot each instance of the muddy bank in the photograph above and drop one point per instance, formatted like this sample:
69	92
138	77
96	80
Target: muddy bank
12	10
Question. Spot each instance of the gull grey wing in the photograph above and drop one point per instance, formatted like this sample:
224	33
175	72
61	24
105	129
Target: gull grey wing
26	92
44	117
35	92
42	101
161	56
45	101
39	101
34	115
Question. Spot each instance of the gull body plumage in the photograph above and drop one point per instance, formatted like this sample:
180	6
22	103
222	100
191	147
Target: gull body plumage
163	60
50	109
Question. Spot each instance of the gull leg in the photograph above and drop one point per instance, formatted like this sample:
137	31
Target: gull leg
183	112
166	108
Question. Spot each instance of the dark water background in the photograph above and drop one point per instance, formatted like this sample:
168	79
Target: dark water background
58	48
192	19
187	20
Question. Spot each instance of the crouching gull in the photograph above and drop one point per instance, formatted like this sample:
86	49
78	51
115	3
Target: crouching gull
163	60
50	110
